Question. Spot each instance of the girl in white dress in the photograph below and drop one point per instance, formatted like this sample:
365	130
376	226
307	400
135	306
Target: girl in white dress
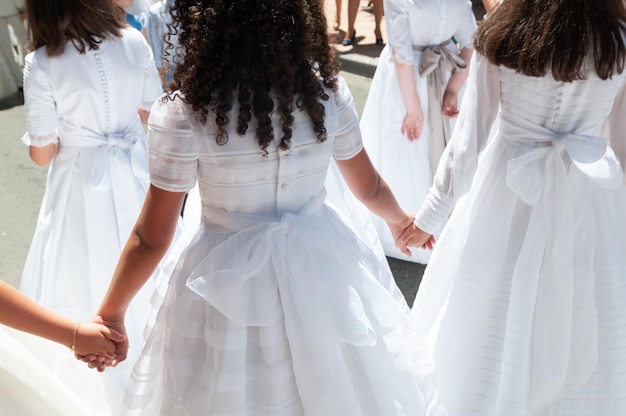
524	298
85	81
413	93
275	307
38	376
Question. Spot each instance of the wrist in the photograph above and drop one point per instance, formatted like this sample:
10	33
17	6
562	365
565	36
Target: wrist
73	337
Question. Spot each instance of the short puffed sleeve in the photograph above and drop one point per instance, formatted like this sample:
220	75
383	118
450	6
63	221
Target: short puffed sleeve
348	142
398	30
464	34
172	152
152	88
39	103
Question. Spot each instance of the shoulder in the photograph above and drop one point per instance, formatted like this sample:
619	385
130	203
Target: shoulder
36	58
132	35
135	40
343	95
170	111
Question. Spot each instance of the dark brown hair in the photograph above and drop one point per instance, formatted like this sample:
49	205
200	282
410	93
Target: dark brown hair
251	51
537	36
85	23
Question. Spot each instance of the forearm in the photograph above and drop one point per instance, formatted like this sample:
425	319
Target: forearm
146	246
371	189
458	78
137	262
20	312
384	204
406	79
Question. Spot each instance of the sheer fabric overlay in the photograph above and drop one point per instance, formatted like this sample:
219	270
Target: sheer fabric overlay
523	299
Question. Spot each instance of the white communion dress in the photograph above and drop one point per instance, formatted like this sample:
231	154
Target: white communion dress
97	182
413	26
524	297
275	308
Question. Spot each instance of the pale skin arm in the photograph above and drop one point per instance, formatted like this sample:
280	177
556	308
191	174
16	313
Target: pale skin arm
450	106
146	246
414	117
490	5
43	155
20	312
143	116
370	188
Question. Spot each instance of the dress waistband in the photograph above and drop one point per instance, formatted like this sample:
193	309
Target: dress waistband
418	48
221	221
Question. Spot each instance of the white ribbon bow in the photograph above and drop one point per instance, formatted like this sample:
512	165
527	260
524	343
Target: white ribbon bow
557	173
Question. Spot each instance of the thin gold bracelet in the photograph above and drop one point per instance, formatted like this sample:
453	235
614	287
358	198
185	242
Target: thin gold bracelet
74	337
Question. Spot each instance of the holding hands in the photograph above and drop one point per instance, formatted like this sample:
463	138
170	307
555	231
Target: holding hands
407	234
117	347
90	338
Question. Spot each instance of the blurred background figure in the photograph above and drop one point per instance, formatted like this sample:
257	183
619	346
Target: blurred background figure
84	84
353	8
414	94
13	40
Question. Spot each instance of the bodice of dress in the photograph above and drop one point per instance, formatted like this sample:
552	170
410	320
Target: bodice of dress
536	118
426	23
544	104
98	92
237	177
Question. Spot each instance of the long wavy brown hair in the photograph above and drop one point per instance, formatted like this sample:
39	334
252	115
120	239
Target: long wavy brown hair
265	55
84	23
537	36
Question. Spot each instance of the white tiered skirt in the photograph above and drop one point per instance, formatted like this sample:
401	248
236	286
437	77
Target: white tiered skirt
285	318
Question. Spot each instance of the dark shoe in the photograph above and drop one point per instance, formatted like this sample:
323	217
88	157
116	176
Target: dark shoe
351	41
380	42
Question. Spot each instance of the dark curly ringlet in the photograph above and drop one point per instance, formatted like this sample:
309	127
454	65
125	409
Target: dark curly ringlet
249	51
537	36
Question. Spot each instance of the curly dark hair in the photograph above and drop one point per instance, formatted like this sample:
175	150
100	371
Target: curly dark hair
256	52
537	36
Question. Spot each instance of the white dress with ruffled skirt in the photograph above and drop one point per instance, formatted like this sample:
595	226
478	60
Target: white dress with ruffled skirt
275	307
524	297
402	163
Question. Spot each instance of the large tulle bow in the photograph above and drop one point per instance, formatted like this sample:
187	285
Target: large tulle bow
290	263
555	173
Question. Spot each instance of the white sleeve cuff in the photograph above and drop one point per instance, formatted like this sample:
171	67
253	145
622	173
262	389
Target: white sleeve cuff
434	211
39	141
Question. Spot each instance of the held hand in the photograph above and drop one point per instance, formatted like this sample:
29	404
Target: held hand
413	236
116	329
450	107
412	125
97	339
398	230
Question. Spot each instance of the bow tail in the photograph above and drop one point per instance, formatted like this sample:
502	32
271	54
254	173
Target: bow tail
439	125
127	199
554	339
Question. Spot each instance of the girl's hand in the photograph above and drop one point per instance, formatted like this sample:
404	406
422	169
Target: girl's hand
412	125
397	230
413	236
114	332
450	107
